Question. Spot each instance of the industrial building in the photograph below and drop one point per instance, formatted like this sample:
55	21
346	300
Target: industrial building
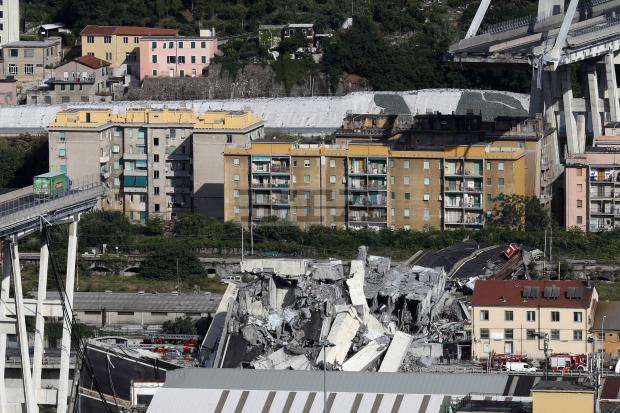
156	163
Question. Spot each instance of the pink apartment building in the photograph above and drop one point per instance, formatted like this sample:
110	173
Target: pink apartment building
593	184
175	56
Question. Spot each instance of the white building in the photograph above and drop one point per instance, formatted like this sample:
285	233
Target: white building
9	21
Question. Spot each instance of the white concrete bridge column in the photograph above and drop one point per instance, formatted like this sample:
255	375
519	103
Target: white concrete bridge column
65	349
572	135
4	297
39	342
593	97
612	87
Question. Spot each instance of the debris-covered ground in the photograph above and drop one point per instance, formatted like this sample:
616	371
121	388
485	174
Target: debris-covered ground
302	315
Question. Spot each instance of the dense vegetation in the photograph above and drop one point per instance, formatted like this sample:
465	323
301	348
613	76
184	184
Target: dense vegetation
395	44
20	159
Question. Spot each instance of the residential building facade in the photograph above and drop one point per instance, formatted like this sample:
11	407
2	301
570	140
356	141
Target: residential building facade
9	21
85	79
606	327
156	163
119	45
173	56
369	185
27	61
592	180
8	92
270	35
514	316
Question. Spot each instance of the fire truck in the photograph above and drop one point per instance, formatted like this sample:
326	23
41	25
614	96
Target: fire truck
498	361
565	363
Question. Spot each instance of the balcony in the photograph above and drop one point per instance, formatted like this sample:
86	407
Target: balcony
135	156
177	157
264	185
135	172
86	80
178	190
177	173
104	158
453	188
368	218
135	189
280	169
368	202
280	200
474	188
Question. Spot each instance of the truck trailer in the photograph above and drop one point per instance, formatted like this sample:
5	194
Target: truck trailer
51	184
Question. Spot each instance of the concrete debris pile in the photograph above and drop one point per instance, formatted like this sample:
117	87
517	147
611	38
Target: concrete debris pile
303	315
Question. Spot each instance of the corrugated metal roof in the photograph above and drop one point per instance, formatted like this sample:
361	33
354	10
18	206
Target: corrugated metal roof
337	381
163	302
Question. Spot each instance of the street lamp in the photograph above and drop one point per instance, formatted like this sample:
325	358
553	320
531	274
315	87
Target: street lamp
324	342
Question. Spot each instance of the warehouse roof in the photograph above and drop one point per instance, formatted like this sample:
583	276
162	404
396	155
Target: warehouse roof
164	302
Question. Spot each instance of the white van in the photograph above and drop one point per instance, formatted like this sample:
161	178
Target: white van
519	366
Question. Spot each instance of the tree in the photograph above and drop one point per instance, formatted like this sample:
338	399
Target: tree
181	325
519	213
164	255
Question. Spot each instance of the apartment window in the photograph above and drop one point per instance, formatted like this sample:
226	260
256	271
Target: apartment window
181	61
306	179
489	197
531	316
332	212
577	316
508	315
530	334
427	214
117	165
392	180
306	194
153	45
203	45
579	203
14	52
154	72
489	181
579	188
171	59
579	172
332	195
203	60
579	219
228	138
393	195
61	136
405	180
407	196
577	335
171	45
125	39
393	212
332	179
155	158
155	141
406	212
236	177
406	164
500	166
107	39
180	45
427	165
555	334
427	181
61	152
155	190
108	56
154	58
28	52
136	40
155	174
125	313
90	39
192	45
508	334
406	227
306	163
426	197
555	316
488	165
500	181
484	334
117	181
12	69
236	193
484	315
236	162
237	209
391	163
332	163
156	207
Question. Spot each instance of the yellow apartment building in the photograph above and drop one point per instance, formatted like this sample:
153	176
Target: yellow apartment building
156	163
369	185
119	45
562	397
513	316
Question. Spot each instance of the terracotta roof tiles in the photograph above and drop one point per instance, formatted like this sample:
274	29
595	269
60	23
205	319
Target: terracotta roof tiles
92	62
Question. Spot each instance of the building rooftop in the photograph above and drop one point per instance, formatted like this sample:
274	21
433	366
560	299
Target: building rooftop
570	386
610	309
91	61
177	38
93	30
162	302
99	117
300	25
50	41
531	293
271	26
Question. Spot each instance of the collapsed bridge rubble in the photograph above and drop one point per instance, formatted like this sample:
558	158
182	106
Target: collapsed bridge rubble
305	315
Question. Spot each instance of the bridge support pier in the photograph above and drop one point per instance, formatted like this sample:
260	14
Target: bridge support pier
4	297
39	334
65	350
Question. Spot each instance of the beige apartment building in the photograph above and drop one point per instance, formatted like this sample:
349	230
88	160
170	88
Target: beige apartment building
29	61
156	163
119	45
369	185
513	316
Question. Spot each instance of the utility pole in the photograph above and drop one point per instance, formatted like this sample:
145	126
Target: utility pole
545	253
178	278
252	238
241	242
